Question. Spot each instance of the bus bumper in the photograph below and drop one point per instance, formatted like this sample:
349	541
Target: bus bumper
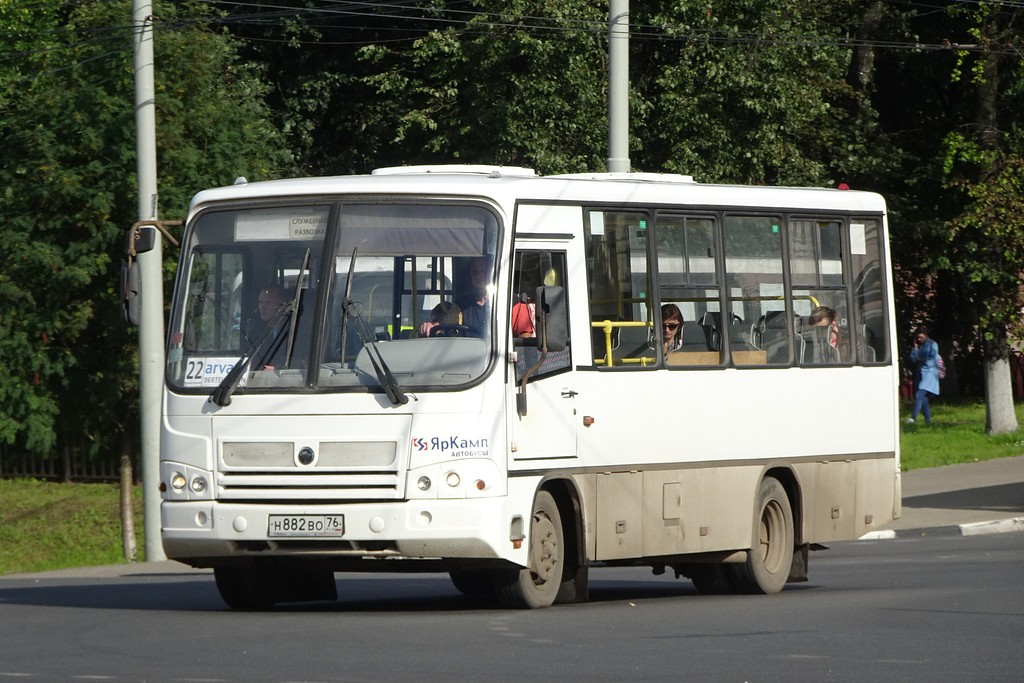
207	531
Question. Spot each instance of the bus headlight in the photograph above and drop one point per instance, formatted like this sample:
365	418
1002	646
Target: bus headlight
184	482
468	478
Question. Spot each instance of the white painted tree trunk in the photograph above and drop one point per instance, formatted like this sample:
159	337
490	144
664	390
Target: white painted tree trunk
1000	417
127	511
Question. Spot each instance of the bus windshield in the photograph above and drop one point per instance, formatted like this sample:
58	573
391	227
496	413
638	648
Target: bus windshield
320	296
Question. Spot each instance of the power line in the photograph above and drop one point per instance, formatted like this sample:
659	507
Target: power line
411	19
539	26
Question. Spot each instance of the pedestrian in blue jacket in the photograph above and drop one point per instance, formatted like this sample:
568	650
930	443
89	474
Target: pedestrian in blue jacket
925	359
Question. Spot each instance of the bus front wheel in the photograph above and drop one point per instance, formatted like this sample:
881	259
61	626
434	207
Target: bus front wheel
771	554
475	583
262	583
536	585
249	588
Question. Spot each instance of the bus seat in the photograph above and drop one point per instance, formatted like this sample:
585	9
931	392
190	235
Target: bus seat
771	335
711	318
867	344
709	323
633	343
741	336
773	319
815	349
695	337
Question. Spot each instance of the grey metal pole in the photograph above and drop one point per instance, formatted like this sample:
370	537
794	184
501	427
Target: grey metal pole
618	86
151	323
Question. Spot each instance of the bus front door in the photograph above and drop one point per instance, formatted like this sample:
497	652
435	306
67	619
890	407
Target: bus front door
544	401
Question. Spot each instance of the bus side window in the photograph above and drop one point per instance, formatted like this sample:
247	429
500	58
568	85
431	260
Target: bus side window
532	269
870	321
688	280
819	292
619	279
754	286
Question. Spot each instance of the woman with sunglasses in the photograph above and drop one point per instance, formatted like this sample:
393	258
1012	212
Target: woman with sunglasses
672	328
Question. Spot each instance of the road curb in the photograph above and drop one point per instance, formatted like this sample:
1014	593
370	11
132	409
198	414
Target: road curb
999	526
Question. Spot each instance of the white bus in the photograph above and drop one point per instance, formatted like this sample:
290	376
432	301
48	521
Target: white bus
348	431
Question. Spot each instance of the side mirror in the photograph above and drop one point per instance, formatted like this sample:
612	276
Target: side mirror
138	240
131	291
552	318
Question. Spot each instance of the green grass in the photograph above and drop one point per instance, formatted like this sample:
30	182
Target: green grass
49	525
956	435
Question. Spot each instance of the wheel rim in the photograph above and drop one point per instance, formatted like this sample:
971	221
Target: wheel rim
544	560
772	531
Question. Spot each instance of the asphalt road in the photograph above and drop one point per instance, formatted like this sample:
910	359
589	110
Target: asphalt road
936	608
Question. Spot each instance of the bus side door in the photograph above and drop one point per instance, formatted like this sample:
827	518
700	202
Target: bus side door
542	404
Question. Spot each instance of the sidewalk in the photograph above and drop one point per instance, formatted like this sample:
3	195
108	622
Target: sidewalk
117	571
975	498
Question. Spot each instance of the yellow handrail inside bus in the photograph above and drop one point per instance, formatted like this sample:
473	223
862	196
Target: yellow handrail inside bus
607	326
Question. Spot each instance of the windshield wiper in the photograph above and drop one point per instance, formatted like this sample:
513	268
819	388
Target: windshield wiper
222	394
380	366
299	286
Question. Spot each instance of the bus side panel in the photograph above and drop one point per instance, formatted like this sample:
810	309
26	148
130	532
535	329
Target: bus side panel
876	505
844	499
668	512
710	509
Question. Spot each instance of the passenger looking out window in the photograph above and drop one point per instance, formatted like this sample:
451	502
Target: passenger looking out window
672	328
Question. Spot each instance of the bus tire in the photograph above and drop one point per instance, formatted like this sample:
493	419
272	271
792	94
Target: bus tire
538	583
771	553
250	588
476	583
711	579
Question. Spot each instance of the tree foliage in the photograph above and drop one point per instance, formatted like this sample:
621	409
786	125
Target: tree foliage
987	242
751	92
984	166
922	104
69	194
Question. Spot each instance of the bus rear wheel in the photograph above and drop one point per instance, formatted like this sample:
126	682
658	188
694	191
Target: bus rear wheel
536	585
711	579
771	554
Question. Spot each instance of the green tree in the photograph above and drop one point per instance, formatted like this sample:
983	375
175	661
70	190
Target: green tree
69	194
742	91
987	252
519	82
985	161
751	92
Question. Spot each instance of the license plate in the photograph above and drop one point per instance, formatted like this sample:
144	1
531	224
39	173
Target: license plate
306	525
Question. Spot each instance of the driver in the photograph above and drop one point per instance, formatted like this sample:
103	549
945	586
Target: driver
269	301
476	303
445	313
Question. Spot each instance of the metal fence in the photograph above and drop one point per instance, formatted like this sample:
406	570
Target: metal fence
69	466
